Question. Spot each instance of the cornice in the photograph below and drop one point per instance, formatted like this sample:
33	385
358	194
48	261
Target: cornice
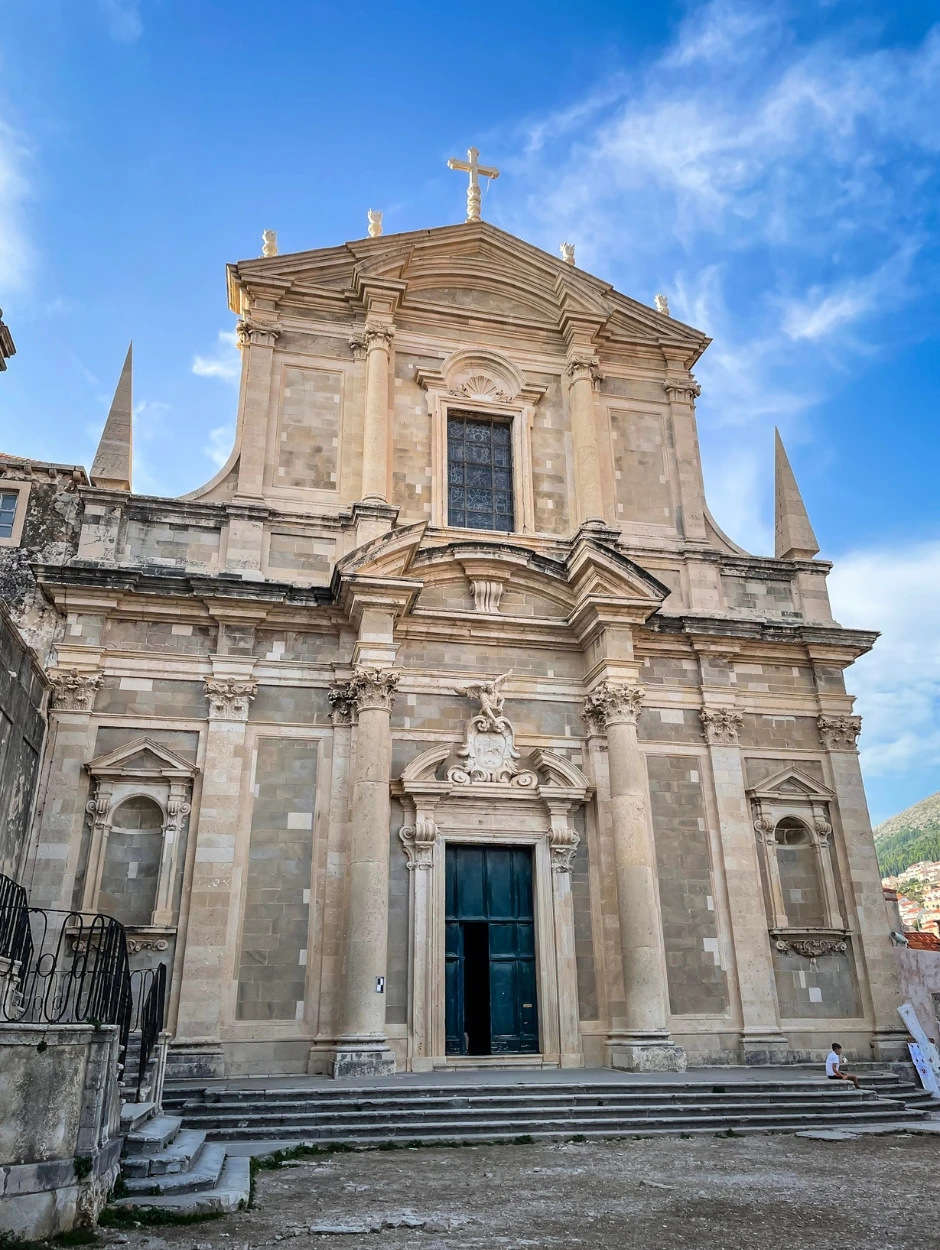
115	579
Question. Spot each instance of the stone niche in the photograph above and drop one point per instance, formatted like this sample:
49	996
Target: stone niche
485	793
140	803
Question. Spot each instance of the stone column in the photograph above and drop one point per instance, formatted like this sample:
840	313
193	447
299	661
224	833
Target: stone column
258	341
761	1039
682	390
375	432
420	841
582	371
177	810
362	1048
211	926
863	888
645	1044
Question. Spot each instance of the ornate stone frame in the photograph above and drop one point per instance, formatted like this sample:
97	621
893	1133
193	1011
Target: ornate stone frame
536	813
797	794
483	381
121	775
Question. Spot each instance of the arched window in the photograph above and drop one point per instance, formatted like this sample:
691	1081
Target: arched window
798	866
128	889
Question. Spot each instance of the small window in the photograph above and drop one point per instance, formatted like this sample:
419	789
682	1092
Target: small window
7	513
479	472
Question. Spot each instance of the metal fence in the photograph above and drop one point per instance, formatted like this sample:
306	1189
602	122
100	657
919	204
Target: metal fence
60	967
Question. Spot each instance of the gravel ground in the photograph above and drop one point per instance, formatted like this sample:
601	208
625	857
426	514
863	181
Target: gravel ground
876	1193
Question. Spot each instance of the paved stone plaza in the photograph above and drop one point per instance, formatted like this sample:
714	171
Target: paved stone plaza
708	1193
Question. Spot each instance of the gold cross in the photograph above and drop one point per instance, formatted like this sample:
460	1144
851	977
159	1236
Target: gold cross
473	167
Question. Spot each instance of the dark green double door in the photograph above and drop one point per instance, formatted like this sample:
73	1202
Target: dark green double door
491	1007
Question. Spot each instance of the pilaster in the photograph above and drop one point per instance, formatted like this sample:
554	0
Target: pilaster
257	336
863	887
212	925
761	1039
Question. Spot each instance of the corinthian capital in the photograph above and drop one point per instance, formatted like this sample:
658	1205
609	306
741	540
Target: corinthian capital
579	367
342	704
357	342
74	691
839	733
229	699
378	337
249	334
374	688
685	392
720	726
614	704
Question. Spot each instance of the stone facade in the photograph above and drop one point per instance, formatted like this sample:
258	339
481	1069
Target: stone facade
317	683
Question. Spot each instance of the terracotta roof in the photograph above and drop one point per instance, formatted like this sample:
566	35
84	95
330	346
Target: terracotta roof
922	941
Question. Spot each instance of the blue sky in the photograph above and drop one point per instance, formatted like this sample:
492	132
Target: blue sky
773	167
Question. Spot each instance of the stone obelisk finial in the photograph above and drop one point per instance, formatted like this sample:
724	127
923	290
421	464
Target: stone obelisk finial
112	465
794	537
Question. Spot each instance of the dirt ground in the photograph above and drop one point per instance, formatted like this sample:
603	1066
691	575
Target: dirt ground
876	1193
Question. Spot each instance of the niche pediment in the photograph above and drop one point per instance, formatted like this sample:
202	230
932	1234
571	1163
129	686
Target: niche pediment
789	784
142	758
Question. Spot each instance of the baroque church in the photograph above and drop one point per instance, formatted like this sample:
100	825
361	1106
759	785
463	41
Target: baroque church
444	727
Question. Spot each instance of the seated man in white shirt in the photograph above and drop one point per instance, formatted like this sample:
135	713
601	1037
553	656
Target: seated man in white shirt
834	1066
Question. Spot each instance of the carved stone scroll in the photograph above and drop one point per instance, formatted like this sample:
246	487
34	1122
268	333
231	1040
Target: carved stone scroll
489	752
229	699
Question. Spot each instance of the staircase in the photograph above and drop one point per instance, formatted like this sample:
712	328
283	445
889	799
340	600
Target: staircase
371	1115
165	1165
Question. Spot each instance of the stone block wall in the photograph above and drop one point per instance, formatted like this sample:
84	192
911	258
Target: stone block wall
171	543
694	961
272	956
22	730
551	459
641	480
309	429
816	988
60	1126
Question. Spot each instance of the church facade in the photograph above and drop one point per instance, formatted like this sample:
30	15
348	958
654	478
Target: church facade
444	726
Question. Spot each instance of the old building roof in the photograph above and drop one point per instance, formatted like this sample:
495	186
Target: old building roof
922	941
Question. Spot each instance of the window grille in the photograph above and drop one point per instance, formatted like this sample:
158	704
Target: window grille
479	472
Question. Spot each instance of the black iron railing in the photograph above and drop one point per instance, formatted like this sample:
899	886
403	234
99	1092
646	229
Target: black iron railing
59	967
149	998
15	938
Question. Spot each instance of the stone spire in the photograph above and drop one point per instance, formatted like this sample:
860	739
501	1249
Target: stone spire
112	466
794	537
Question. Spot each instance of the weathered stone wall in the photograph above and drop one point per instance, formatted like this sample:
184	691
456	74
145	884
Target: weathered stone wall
821	989
309	429
60	1126
22	730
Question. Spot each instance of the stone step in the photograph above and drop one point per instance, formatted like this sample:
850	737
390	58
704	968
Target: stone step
203	1174
134	1114
230	1193
178	1098
177	1157
153	1135
447	1129
211	1119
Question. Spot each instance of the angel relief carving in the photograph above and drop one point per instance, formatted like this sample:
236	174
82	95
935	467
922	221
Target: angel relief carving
489	752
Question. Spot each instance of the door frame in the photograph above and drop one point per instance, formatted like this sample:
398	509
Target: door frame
500	815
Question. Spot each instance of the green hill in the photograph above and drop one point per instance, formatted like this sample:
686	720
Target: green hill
909	837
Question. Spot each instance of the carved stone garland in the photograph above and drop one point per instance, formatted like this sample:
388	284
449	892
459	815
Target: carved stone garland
811	948
489	752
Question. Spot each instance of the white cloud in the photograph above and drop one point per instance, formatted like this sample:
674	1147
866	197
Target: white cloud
225	364
123	19
221	440
15	251
897	591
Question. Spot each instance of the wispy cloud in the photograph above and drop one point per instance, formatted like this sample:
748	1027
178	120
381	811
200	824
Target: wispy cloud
897	591
783	192
224	364
220	444
123	19
16	254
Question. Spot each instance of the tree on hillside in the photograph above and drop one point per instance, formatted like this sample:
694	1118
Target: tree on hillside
908	846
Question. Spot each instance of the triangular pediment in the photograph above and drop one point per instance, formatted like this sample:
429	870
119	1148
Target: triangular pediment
455	271
142	757
791	783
